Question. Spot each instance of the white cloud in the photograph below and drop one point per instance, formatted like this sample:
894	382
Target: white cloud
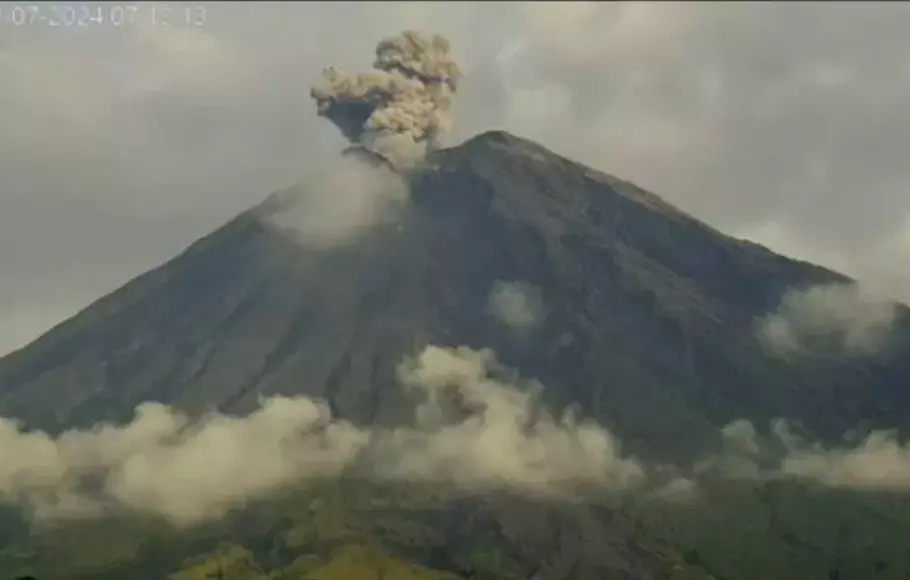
516	304
480	432
475	430
341	201
859	321
881	461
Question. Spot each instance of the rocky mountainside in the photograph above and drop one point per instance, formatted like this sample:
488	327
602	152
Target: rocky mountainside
641	315
646	315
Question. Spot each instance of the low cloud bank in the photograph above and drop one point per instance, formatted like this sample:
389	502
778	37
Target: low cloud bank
477	427
478	430
164	463
880	461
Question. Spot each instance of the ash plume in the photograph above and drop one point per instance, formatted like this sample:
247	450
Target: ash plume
400	110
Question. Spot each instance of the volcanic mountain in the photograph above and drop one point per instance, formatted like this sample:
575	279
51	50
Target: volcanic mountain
645	316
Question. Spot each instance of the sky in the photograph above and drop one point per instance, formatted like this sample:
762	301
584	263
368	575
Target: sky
123	143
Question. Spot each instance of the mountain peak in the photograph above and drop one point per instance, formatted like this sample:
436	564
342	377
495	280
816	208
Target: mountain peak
528	156
500	140
644	315
497	137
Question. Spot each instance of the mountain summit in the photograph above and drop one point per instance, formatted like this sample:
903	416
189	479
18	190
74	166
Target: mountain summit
618	302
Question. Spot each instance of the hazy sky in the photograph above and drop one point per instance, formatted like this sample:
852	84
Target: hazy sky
785	122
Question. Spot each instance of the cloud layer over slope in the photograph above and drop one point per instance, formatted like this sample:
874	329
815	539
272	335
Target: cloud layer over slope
472	430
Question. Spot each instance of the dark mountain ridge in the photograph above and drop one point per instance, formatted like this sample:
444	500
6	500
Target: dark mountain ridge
649	322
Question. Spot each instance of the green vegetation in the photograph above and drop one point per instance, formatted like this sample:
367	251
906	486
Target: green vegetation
341	530
227	563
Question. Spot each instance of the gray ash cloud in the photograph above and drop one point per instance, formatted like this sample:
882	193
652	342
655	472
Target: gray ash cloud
399	110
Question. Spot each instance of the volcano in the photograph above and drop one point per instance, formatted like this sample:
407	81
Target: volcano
645	316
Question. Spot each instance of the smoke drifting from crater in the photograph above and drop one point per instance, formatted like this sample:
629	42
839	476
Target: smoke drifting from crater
400	110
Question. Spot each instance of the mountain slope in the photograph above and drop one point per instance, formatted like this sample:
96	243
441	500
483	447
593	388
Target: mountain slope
649	313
